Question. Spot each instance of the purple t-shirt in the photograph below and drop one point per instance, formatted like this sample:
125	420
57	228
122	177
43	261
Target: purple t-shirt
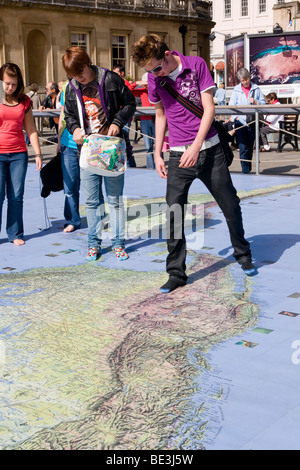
193	80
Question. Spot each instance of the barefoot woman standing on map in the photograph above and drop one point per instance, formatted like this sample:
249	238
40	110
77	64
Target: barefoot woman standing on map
15	112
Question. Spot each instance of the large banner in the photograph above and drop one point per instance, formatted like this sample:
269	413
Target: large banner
274	59
234	52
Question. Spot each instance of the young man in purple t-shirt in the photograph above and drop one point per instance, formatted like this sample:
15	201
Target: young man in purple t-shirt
195	149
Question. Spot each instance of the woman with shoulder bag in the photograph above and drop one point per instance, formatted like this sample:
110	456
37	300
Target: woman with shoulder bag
97	101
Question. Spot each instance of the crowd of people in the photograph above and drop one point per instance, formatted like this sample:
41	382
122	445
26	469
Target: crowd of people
95	100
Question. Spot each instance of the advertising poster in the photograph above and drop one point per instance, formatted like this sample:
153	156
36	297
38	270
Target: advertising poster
275	59
234	52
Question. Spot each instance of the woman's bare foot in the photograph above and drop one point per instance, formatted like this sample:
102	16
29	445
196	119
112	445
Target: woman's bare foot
18	242
69	228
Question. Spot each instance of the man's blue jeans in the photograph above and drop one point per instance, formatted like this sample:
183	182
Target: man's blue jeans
211	168
148	131
71	177
95	212
13	169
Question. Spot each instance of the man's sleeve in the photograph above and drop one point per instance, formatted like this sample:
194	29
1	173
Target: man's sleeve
153	94
126	100
205	79
71	118
44	103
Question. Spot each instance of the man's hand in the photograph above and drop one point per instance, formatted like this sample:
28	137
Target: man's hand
77	136
113	130
161	167
189	158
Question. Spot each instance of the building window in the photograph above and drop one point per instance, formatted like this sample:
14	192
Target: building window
244	6
119	50
80	40
280	1
262	6
227	4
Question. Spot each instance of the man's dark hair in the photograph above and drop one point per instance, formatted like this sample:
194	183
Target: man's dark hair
120	67
148	48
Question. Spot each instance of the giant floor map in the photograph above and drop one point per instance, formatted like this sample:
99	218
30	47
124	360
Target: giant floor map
93	357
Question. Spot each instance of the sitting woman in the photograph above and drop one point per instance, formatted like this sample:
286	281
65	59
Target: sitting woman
272	123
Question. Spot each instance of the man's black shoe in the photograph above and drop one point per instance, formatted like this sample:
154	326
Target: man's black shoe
249	268
172	284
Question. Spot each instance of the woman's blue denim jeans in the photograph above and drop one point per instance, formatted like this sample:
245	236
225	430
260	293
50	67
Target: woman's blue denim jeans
95	212
13	169
245	138
71	177
148	131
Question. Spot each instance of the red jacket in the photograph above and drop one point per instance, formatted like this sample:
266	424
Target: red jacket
143	94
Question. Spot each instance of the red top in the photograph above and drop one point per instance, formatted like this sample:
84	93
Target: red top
12	139
246	90
131	86
143	94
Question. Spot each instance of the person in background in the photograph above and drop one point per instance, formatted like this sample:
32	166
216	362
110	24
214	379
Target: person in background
15	112
36	103
70	170
120	70
195	149
272	125
49	103
90	109
245	93
220	95
147	122
60	85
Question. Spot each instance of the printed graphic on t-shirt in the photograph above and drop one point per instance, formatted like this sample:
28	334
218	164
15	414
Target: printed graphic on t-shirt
189	88
94	115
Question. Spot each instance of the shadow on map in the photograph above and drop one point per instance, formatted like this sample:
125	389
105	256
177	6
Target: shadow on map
269	247
55	226
266	249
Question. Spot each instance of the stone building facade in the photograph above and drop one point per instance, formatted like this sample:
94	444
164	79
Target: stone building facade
287	15
35	34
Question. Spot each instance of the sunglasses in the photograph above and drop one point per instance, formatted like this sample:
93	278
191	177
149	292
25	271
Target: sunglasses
156	69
